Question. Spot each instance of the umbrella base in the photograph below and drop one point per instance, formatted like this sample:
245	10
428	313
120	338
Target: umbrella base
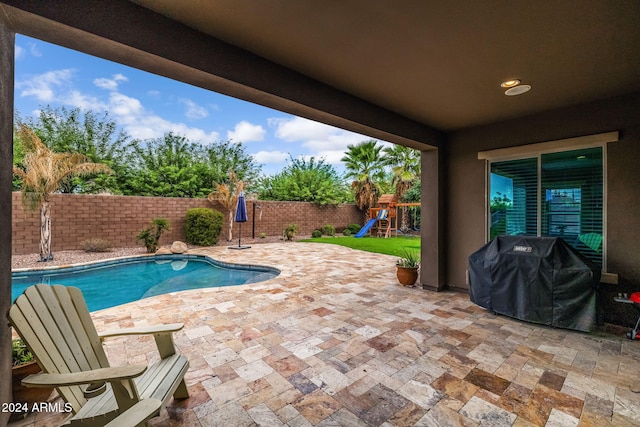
239	247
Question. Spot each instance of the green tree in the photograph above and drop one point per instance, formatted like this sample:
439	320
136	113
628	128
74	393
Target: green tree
311	180
224	156
365	167
93	135
43	172
166	167
173	166
405	165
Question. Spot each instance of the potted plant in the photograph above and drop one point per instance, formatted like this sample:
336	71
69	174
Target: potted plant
408	266
23	365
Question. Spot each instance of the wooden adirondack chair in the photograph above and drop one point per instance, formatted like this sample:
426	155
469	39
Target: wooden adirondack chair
56	326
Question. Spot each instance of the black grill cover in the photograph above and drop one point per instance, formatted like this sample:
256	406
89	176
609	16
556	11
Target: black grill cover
537	279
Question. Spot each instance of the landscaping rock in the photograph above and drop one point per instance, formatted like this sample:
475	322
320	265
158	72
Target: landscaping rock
179	247
164	251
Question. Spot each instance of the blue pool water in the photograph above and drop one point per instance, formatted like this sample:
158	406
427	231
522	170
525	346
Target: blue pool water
116	282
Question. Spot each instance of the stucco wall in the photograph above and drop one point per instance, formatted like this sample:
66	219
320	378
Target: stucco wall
466	187
76	218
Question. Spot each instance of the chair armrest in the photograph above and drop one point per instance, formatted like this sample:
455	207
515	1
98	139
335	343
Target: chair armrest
143	330
137	414
163	334
76	378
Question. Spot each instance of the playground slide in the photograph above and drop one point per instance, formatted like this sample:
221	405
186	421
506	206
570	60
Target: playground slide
366	227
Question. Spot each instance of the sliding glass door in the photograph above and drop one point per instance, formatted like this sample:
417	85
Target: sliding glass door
558	194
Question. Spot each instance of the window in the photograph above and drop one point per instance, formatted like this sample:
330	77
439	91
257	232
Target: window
554	193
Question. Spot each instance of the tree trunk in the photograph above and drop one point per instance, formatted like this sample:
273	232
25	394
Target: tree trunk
45	231
230	225
405	219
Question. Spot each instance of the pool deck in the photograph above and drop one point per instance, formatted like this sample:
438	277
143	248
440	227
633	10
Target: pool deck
335	341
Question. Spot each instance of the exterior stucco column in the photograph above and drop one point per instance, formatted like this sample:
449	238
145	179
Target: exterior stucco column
7	42
432	223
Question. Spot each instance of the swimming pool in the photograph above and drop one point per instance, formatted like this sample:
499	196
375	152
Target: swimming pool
115	282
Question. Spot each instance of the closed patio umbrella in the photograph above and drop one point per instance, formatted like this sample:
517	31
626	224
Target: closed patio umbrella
241	216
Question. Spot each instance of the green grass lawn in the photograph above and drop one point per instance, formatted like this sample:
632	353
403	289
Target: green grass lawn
391	246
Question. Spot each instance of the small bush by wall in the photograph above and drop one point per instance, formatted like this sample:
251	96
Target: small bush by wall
203	226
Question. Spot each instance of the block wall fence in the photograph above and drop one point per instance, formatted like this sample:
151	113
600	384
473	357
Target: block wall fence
75	218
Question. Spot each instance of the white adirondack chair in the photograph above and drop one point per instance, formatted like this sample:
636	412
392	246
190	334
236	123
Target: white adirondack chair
56	326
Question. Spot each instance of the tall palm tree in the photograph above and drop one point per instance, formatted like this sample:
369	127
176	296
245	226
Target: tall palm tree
227	195
405	165
43	172
366	167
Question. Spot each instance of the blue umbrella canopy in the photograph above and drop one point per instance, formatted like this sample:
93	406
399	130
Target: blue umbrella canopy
241	209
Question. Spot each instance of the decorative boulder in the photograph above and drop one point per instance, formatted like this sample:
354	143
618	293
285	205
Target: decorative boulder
179	247
164	251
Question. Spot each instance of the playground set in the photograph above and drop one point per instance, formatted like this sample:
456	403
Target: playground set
383	220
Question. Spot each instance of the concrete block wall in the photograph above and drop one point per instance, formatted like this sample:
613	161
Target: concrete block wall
119	219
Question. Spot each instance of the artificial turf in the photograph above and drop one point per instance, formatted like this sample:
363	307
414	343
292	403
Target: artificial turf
392	246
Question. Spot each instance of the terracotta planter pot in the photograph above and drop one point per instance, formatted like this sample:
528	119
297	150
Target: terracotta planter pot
407	276
28	395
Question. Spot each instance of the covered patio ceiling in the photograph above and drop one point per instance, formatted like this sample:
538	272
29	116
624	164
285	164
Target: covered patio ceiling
405	71
438	62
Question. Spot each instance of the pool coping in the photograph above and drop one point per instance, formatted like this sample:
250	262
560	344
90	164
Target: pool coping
21	272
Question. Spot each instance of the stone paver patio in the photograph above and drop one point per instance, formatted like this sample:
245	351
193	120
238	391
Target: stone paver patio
335	341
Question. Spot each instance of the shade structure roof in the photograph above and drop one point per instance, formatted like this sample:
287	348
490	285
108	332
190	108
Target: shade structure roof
438	62
409	71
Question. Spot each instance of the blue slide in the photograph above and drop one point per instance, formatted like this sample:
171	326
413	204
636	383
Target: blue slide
366	227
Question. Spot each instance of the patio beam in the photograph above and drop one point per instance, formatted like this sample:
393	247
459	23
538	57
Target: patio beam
7	63
122	31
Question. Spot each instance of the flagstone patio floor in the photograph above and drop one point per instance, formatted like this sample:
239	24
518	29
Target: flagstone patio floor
335	341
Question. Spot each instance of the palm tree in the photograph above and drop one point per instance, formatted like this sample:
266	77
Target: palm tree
227	195
405	165
366	167
43	173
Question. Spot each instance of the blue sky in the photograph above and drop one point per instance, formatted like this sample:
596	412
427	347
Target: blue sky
147	106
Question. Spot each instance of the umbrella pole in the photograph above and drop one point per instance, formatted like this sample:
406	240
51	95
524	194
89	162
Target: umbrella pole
239	233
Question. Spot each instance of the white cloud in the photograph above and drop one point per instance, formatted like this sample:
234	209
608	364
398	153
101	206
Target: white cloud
270	157
80	100
142	124
33	50
300	129
19	53
246	132
110	84
194	111
124	106
319	140
44	86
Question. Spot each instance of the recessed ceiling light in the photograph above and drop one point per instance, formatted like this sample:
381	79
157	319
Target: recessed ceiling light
510	83
517	90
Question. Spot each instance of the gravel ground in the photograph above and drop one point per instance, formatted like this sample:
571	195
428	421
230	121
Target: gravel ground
75	257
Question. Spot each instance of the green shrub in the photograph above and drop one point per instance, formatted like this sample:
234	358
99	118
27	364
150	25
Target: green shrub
353	228
95	245
263	235
290	231
329	230
20	354
346	232
203	226
316	233
150	236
